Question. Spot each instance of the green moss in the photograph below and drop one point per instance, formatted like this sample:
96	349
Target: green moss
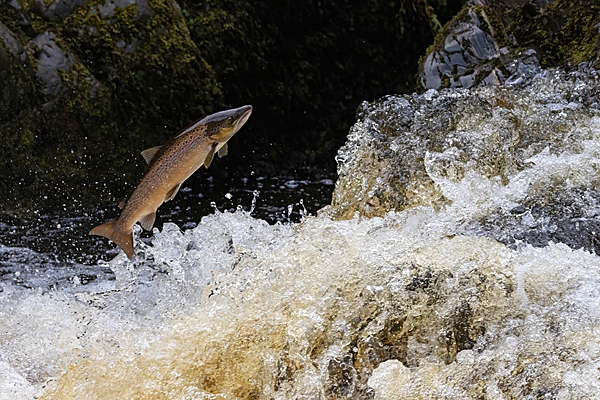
84	144
563	34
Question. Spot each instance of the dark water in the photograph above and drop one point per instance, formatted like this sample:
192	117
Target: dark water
54	249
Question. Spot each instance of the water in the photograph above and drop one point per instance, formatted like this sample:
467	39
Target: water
462	277
58	247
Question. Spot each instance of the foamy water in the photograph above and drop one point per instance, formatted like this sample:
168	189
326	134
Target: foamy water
239	309
456	298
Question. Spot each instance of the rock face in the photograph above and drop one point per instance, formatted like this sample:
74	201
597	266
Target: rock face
477	47
463	57
427	150
85	84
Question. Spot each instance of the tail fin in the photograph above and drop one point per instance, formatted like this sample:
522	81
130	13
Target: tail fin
123	239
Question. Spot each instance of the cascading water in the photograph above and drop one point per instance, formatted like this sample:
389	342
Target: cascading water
457	261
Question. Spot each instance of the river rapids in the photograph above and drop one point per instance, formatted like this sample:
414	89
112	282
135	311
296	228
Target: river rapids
456	261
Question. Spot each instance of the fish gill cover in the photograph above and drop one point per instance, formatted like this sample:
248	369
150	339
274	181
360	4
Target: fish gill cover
456	261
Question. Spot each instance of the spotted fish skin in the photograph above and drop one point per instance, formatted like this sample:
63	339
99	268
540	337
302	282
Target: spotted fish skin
168	167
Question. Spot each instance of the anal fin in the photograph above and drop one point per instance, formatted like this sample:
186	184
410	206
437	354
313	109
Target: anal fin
171	193
147	221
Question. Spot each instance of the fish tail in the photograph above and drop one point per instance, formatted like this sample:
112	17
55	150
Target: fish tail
123	239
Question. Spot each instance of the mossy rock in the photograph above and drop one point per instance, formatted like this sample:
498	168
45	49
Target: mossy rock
560	33
94	84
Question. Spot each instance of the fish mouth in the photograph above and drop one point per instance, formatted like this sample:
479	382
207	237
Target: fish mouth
246	111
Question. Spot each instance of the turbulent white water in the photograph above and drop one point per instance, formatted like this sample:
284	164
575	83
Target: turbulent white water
451	298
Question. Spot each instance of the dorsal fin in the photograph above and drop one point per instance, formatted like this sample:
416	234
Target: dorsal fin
223	150
122	203
210	156
149	154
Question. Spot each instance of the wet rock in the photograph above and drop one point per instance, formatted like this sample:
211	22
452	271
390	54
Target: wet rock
58	9
463	58
478	46
11	43
81	76
107	10
52	61
570	217
535	141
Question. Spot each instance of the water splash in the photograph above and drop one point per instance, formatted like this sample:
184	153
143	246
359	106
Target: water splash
255	195
320	309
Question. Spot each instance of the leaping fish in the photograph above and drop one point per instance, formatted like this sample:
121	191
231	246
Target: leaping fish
169	166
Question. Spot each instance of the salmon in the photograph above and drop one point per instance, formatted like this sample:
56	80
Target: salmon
168	167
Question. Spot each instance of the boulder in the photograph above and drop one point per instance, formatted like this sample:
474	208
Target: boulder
520	161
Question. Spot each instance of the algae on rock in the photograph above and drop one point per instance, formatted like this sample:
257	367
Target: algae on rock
478	46
89	84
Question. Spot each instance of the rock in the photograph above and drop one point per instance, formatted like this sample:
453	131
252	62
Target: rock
478	47
11	43
58	9
52	61
533	143
463	57
107	10
91	84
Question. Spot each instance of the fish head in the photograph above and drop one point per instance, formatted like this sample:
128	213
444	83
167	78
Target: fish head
221	126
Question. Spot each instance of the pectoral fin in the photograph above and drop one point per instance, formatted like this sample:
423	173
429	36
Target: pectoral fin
147	221
171	193
209	156
122	203
149	154
223	150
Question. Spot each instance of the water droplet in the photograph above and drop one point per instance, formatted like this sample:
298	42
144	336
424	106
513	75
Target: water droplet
255	193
